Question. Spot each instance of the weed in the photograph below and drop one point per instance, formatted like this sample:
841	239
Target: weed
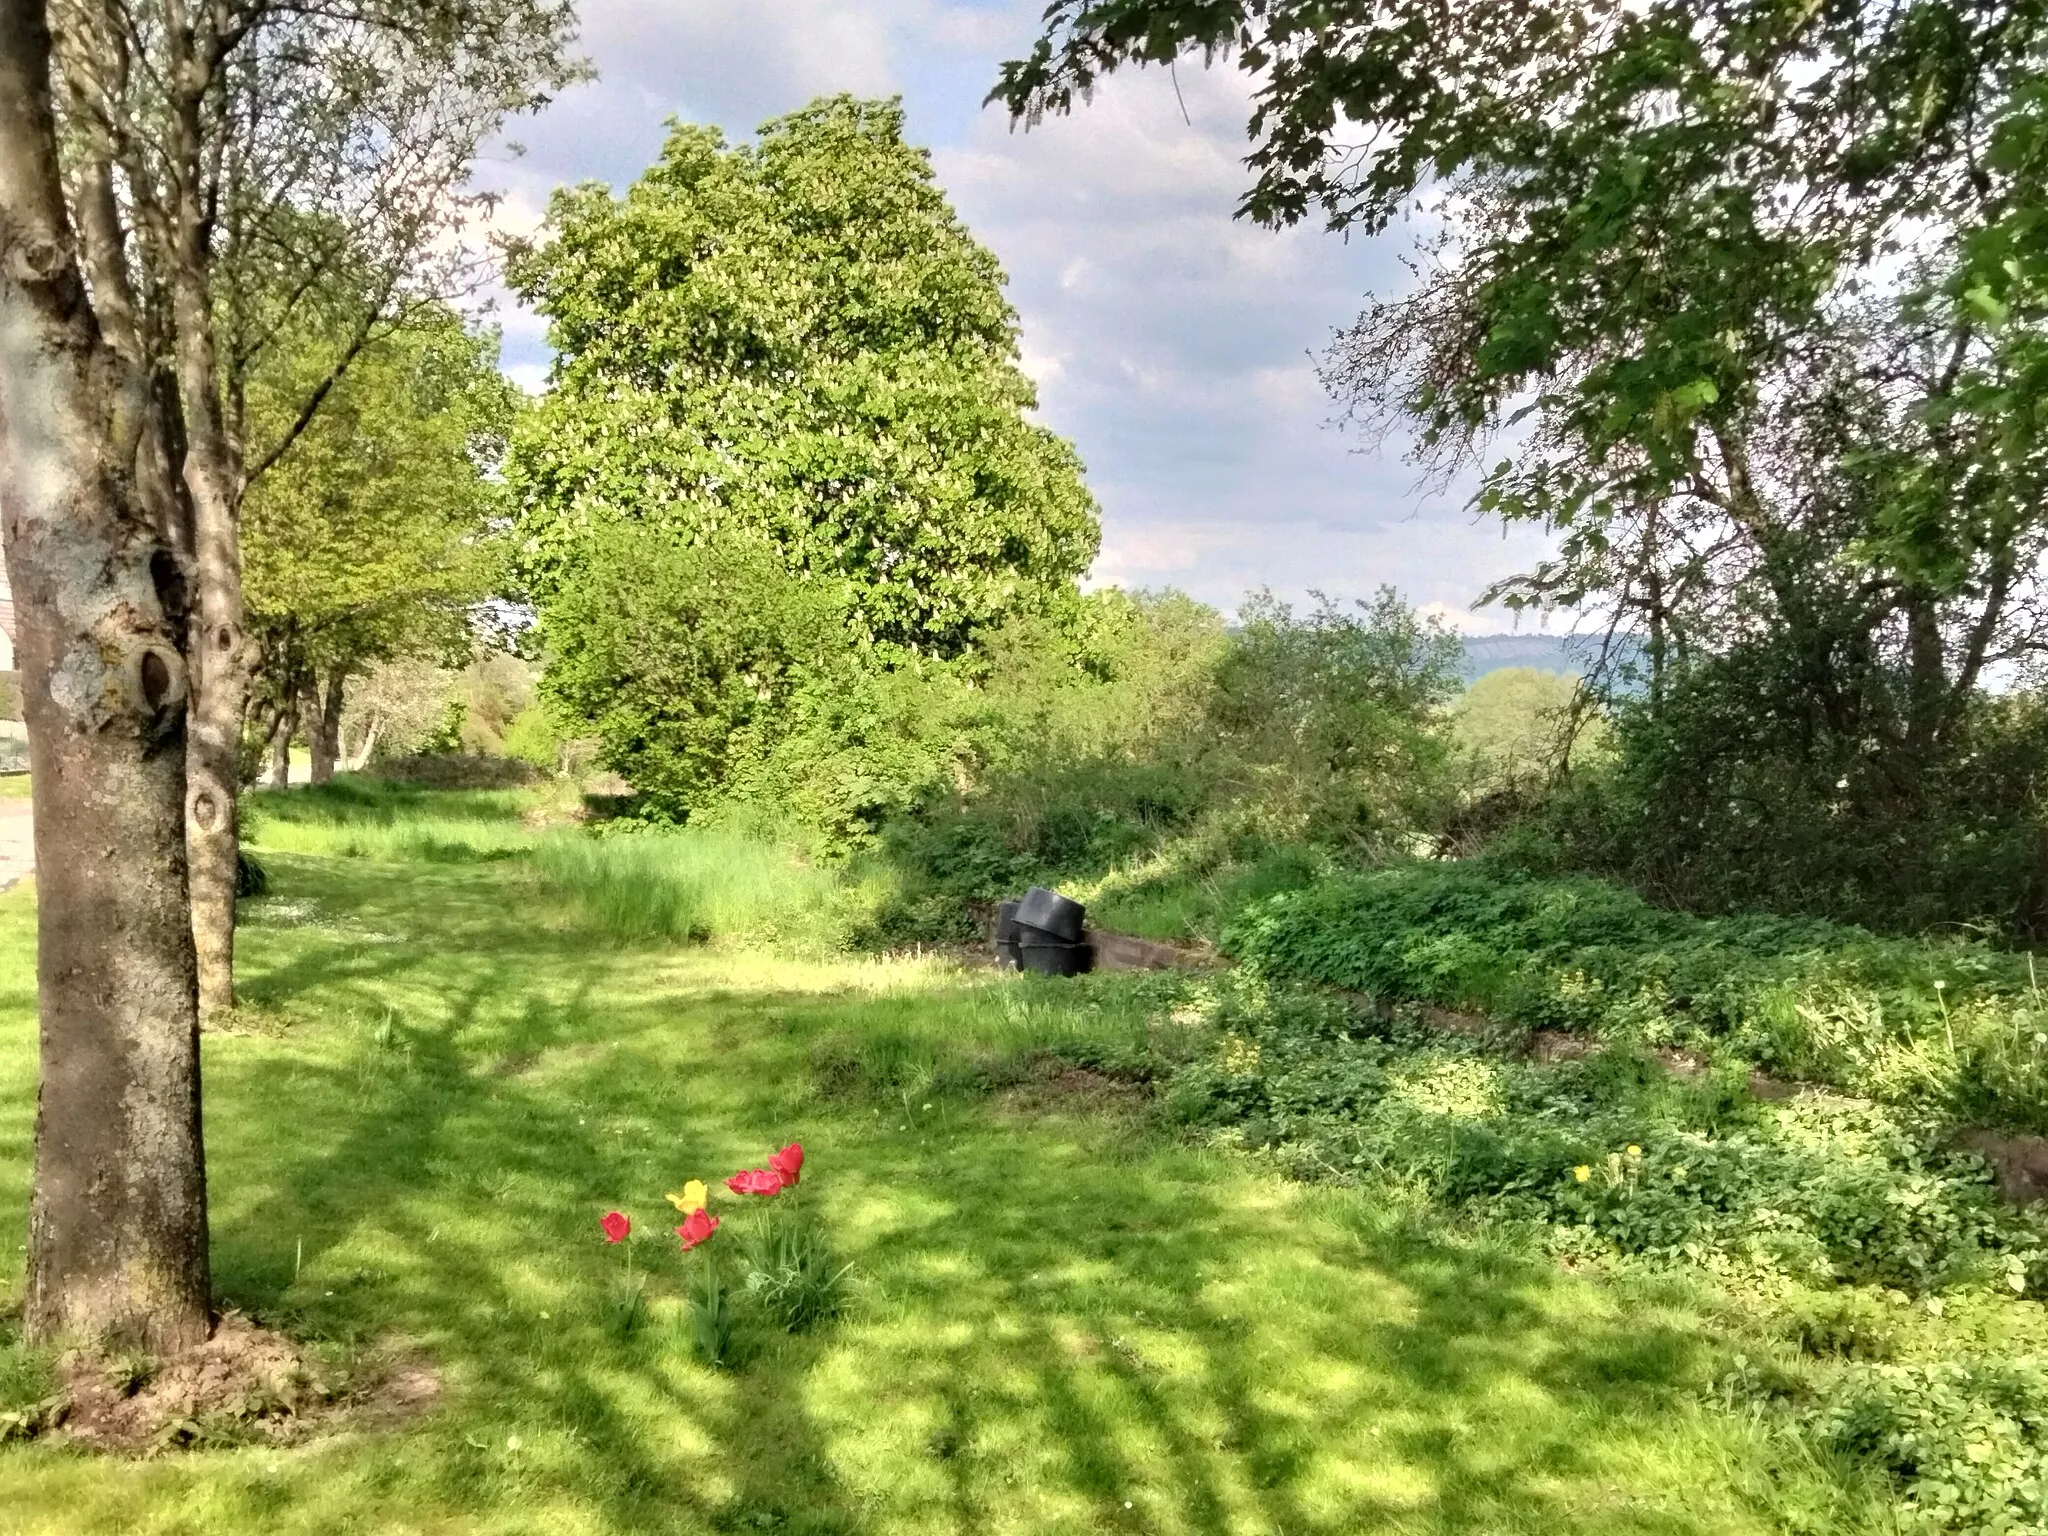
710	1318
791	1275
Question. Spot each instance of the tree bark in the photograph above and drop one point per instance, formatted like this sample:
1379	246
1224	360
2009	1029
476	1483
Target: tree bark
286	727
323	728
360	759
219	646
117	1218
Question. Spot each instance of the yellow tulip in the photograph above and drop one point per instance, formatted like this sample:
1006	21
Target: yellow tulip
693	1196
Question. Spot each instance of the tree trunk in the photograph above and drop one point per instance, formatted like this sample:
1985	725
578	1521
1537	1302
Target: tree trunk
117	1216
361	758
218	646
281	744
323	729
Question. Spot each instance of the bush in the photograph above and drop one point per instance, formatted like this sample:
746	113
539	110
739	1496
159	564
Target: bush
1143	758
1736	790
1957	1027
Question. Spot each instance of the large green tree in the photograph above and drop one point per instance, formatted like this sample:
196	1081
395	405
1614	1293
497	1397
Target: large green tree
798	339
1757	288
785	476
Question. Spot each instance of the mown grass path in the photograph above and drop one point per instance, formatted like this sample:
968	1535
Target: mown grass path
1066	1318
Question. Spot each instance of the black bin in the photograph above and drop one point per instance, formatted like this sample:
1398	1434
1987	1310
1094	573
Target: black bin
1043	955
1006	936
1050	913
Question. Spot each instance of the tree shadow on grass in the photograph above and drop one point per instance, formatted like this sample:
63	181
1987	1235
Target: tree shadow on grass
1065	1320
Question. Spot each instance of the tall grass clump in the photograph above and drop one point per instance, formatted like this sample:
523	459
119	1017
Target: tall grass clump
698	884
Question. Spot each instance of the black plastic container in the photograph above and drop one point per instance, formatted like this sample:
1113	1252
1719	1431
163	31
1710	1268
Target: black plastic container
1050	912
1006	936
1053	957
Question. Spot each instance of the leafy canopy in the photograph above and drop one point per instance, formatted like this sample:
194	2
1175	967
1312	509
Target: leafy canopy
796	340
372	537
1759	288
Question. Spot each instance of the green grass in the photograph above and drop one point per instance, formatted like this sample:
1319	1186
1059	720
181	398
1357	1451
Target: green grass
1185	890
696	884
1064	1317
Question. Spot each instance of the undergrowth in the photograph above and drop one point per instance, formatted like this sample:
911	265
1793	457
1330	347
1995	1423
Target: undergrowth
1881	1303
1954	1027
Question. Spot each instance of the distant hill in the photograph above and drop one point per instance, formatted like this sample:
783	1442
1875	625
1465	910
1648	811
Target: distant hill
1547	653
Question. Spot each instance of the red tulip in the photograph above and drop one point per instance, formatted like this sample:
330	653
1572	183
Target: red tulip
789	1162
755	1181
700	1225
616	1225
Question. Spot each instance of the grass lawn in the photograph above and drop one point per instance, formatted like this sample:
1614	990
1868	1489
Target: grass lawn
1065	1317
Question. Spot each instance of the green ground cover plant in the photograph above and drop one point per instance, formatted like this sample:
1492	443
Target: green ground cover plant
1953	1027
1068	1311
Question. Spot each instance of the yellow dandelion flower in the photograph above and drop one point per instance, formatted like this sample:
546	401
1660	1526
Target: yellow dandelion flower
1634	1150
1582	1173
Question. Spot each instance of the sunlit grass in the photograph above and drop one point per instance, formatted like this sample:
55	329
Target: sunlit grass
364	819
695	884
1064	1318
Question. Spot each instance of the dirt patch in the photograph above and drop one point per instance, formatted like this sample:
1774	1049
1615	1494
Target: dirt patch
404	1387
2018	1163
1474	1026
246	1384
1126	952
522	1063
1554	1045
1055	1086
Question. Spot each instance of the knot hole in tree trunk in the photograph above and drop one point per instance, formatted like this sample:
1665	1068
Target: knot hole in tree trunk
156	684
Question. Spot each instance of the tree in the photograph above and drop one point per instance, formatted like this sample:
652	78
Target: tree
372	538
682	656
1519	726
1335	715
208	156
1761	288
798	340
784	478
117	1220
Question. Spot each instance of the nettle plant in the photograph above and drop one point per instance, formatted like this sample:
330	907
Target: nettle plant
788	1274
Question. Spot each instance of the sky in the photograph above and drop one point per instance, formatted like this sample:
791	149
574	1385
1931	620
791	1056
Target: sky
1172	343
